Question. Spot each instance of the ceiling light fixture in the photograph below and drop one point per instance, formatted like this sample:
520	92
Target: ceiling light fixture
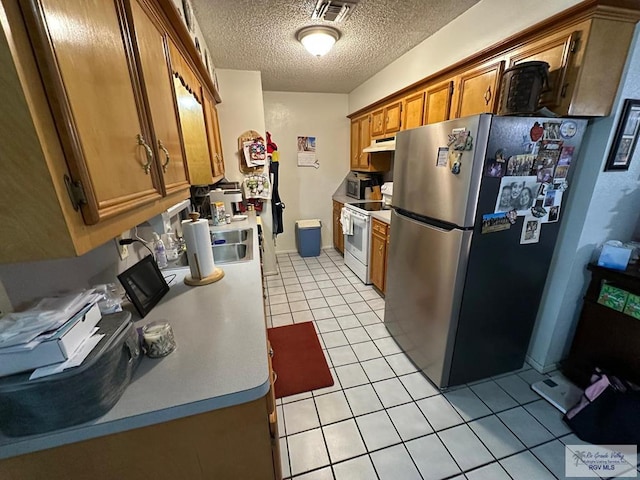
318	40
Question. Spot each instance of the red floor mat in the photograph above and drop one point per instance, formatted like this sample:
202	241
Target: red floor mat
298	359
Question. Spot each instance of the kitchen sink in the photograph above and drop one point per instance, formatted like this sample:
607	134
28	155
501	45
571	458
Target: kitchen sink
238	247
231	253
230	236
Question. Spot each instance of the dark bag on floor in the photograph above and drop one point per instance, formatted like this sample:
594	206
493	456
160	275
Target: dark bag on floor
608	412
78	394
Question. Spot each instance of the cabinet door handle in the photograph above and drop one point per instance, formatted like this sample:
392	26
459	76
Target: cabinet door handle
274	375
488	95
166	154
147	166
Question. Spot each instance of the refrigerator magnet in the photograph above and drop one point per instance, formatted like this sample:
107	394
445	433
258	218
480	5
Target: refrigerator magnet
554	213
517	193
512	216
495	222
493	168
442	159
536	132
542	190
460	139
520	165
568	129
551	131
560	184
538	210
454	161
530	231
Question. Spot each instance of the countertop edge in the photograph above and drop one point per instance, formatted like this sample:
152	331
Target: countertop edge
32	444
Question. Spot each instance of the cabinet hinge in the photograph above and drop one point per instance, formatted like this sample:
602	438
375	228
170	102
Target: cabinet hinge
76	192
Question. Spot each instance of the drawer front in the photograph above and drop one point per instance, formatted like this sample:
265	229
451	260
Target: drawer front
379	227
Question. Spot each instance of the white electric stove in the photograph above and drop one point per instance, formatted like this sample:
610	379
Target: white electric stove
357	246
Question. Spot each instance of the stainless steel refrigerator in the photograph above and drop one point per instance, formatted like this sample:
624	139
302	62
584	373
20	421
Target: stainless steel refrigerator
468	258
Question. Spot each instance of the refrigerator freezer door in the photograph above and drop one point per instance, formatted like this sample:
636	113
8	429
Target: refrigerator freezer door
428	187
425	276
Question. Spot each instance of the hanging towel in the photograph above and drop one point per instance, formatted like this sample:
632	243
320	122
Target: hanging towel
346	221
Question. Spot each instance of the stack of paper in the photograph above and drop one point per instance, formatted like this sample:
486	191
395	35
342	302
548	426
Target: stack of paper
49	333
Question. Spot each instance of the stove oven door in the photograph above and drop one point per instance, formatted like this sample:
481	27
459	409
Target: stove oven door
357	245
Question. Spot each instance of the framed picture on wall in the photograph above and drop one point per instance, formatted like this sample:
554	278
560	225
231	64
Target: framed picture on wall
624	143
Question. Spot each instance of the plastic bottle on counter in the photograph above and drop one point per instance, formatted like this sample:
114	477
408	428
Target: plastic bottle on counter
171	245
159	250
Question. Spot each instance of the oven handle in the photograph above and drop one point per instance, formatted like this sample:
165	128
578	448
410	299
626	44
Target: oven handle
358	215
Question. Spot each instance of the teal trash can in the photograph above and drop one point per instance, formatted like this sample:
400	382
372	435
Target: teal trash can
308	237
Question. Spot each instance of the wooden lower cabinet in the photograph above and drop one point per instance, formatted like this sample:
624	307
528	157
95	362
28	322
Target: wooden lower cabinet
233	442
378	263
338	237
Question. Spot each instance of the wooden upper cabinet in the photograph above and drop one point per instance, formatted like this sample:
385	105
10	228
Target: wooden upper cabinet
194	135
158	86
387	120
355	144
377	123
413	111
190	102
393	120
360	139
437	105
364	140
91	82
556	50
213	137
586	62
477	89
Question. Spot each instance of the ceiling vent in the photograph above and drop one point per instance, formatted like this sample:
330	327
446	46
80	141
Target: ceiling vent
333	10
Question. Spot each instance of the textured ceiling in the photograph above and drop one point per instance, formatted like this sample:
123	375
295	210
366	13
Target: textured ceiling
261	35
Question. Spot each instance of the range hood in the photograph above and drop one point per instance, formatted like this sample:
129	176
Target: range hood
381	145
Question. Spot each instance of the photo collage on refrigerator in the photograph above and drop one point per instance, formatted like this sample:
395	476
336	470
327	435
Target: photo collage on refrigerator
533	180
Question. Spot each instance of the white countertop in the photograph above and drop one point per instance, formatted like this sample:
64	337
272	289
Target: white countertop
220	359
382	215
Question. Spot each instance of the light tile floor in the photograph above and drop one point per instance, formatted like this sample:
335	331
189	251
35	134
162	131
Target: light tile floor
382	419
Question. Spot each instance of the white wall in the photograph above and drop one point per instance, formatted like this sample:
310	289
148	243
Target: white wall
603	206
486	23
241	110
307	191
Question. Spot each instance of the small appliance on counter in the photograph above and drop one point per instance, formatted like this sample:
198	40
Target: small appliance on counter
232	199
358	183
387	192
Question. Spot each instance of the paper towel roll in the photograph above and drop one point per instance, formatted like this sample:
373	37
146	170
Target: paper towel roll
199	252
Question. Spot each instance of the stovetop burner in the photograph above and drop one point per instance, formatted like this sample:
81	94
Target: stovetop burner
370	206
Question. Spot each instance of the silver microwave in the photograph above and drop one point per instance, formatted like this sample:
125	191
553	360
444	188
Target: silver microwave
357	184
